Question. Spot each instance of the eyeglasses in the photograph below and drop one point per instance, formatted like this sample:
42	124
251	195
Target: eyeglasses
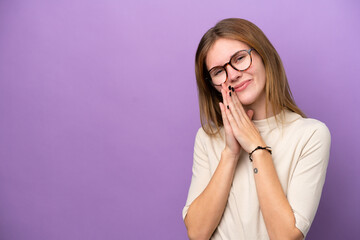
240	61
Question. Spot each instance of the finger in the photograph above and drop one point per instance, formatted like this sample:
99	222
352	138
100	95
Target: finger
250	113
228	95
244	116
231	111
225	106
232	120
223	93
237	103
238	112
223	115
234	111
226	86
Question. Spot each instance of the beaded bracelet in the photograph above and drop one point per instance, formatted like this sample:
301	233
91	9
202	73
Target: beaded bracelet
267	148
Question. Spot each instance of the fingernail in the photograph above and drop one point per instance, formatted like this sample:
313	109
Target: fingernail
229	87
227	107
233	89
230	94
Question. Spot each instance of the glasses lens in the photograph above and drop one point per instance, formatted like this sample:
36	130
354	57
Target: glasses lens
218	75
241	60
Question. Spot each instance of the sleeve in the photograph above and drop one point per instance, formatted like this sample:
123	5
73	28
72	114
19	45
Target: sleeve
201	174
308	179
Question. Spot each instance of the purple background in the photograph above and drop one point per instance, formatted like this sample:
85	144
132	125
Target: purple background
98	110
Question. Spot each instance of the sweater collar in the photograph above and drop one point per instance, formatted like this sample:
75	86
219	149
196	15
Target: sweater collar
283	118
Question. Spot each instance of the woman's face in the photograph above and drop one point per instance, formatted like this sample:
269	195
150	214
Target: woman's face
250	84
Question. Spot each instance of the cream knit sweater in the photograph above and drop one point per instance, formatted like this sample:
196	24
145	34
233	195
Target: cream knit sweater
300	151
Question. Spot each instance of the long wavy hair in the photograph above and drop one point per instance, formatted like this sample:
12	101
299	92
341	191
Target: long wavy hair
277	88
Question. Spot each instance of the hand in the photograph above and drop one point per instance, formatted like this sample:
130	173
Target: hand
243	129
232	145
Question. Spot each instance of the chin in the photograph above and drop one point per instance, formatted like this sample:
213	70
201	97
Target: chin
247	100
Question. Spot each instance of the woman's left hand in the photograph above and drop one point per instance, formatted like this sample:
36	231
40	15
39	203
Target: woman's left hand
243	128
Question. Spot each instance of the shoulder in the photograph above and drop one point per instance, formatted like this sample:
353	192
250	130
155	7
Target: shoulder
200	138
312	125
210	142
201	133
319	133
308	127
203	136
294	120
315	125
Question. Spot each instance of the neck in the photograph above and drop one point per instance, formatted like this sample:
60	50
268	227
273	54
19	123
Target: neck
259	108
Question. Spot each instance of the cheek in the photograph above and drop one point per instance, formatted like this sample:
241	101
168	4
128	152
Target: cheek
218	89
263	77
260	74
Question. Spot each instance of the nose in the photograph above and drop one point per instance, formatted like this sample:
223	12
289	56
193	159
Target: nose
233	74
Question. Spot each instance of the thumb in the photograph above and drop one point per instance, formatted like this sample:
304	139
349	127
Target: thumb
250	113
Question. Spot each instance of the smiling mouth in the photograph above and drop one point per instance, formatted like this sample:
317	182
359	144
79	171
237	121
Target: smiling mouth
242	85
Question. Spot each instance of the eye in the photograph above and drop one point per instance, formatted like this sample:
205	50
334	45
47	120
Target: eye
217	71
240	57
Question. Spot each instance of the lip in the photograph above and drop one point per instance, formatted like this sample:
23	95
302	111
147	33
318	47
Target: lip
242	85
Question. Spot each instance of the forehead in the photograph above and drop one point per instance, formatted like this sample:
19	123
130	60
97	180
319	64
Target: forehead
221	51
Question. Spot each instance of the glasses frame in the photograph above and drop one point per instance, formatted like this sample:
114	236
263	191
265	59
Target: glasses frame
229	63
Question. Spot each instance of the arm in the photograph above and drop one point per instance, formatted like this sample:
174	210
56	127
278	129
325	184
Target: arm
307	180
281	218
290	217
275	208
205	212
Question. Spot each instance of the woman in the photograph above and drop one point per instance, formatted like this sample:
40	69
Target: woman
259	164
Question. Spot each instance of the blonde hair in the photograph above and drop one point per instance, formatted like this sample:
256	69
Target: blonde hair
277	88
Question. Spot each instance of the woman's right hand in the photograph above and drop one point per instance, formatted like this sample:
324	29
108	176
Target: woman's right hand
232	146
